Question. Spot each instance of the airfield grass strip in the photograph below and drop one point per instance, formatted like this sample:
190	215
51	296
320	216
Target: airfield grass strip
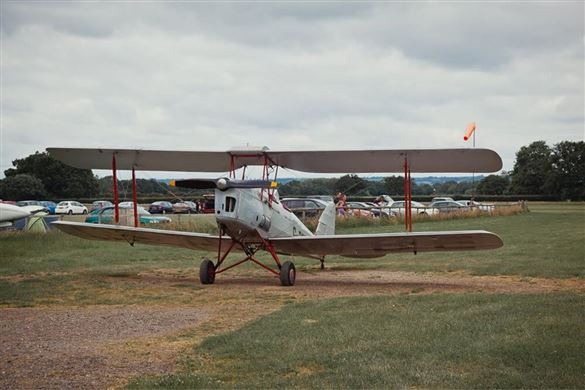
56	267
442	340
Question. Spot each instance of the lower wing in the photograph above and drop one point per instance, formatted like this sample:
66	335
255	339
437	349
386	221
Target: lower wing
349	245
376	245
132	235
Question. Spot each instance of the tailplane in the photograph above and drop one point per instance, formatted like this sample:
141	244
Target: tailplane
326	226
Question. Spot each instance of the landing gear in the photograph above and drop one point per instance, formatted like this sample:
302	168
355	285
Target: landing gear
288	274
207	272
286	271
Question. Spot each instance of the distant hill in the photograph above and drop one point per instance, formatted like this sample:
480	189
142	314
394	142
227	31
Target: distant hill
418	180
434	179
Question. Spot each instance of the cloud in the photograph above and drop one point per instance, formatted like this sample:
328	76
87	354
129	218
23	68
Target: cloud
193	76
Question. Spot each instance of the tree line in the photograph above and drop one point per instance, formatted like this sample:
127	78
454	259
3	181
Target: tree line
557	172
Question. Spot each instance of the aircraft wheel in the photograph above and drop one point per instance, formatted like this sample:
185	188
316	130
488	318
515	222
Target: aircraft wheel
288	274
207	272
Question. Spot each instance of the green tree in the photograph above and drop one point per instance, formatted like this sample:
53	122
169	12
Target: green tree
568	161
350	184
533	170
308	187
375	187
395	185
493	185
422	189
59	180
22	187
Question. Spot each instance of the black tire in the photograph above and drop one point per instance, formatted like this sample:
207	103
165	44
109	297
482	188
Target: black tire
84	212
70	212
288	274
207	272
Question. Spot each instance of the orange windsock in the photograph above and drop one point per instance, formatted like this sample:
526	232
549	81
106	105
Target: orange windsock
469	131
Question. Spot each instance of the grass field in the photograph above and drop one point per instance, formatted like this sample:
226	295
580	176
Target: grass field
409	338
455	341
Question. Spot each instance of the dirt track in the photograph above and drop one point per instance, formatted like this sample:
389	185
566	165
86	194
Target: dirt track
101	346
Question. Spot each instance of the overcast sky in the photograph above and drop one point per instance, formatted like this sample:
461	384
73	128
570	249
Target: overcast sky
210	76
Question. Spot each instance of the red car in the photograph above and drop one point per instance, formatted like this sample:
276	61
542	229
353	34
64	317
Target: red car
161	207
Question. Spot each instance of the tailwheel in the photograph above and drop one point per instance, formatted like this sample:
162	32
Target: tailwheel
207	272
288	274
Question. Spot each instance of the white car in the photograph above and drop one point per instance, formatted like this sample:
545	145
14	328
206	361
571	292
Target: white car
473	205
417	208
70	207
442	199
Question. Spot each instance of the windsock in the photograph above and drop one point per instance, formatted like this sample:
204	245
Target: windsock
469	131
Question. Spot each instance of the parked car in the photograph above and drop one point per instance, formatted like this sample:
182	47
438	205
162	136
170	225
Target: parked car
160	207
448	206
125	205
21	203
70	207
442	199
304	207
106	215
100	204
50	205
417	208
380	210
325	198
185	207
33	206
35	209
208	204
384	200
473	205
361	209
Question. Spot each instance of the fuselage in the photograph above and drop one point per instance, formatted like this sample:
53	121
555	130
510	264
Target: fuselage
251	214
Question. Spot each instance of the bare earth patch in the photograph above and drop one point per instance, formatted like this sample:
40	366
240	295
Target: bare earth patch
69	347
103	346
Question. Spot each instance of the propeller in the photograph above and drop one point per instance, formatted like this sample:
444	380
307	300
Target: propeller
222	184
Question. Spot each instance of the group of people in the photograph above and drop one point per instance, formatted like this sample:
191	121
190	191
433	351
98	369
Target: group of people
343	210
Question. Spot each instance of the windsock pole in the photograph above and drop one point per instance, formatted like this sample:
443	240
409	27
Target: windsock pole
468	132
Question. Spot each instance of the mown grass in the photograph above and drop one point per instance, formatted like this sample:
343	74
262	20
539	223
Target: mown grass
549	242
445	341
540	243
26	253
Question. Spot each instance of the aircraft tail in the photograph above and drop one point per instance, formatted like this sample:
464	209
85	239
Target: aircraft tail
326	226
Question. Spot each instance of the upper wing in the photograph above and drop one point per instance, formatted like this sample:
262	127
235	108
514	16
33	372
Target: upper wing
324	161
387	161
142	235
375	245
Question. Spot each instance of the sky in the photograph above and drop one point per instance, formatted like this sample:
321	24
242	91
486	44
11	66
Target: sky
289	75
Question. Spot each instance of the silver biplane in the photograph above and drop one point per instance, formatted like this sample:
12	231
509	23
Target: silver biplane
251	218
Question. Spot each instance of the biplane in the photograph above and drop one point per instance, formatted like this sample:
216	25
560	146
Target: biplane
251	218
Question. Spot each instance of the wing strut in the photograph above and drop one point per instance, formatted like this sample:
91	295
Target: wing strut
115	190
134	197
407	196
